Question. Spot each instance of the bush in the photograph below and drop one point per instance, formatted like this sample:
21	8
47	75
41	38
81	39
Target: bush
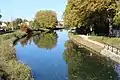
8	62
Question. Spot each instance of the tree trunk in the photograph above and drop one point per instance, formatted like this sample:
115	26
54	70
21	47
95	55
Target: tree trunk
110	26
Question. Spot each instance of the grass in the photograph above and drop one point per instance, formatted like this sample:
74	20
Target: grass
106	40
10	68
17	34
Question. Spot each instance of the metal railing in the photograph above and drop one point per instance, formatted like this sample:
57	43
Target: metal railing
112	49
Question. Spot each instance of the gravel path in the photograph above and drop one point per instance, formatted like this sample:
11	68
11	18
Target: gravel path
95	42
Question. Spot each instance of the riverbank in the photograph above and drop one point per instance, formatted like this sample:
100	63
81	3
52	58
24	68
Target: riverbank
10	67
82	41
98	47
113	41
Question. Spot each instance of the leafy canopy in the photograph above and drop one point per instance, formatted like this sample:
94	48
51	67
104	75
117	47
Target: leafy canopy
78	11
46	19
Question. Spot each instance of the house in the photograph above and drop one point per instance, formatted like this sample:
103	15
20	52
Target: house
3	26
60	24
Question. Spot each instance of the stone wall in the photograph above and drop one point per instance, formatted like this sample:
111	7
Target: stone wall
107	51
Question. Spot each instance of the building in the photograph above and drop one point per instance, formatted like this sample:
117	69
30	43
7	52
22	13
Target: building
60	24
3	26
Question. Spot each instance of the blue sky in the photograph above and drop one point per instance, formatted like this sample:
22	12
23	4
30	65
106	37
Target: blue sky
27	9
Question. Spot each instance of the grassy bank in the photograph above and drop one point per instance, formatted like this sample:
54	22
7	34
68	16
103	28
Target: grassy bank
10	68
16	34
106	40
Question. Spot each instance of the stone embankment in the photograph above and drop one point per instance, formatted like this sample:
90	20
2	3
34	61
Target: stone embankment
103	49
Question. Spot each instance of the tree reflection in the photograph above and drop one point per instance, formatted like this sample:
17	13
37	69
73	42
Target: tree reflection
82	66
24	41
48	40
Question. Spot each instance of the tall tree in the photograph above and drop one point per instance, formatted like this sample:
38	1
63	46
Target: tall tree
90	13
16	23
0	16
46	19
18	20
117	14
0	21
25	20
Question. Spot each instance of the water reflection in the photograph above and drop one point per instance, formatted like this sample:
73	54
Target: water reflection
82	66
65	61
26	40
45	64
47	41
43	40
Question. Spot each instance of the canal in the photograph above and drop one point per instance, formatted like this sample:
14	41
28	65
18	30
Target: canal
52	56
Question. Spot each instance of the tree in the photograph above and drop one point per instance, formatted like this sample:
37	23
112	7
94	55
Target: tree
25	20
117	15
0	21
89	13
18	20
16	23
35	25
46	19
0	16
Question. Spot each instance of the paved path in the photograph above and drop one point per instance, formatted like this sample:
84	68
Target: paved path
95	42
82	39
96	46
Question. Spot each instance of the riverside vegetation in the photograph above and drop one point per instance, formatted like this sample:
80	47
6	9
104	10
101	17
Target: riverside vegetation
95	17
10	68
100	15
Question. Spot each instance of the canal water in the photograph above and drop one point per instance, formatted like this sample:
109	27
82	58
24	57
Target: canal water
52	56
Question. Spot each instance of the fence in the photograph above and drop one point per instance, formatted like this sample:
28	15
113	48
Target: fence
112	49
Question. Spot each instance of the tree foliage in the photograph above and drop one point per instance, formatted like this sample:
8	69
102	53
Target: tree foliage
15	23
25	20
117	14
0	21
46	19
0	16
35	25
77	11
18	20
99	14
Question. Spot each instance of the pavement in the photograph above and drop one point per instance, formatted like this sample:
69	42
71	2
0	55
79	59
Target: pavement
85	37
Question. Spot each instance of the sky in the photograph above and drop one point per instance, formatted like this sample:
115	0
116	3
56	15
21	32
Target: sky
26	9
